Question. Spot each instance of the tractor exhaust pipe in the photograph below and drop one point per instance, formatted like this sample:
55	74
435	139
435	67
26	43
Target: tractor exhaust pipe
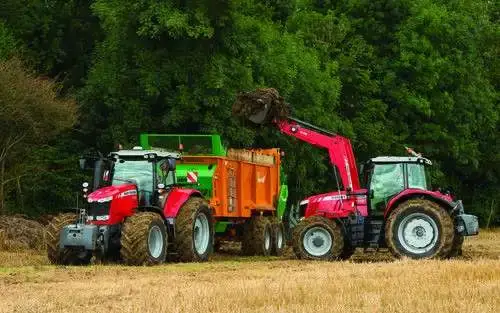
262	106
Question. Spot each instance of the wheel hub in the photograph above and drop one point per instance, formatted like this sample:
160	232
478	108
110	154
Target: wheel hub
280	238
201	233
155	241
317	241
267	239
418	233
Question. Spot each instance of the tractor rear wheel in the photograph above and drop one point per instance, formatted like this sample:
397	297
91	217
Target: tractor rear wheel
63	256
194	231
278	239
318	238
419	229
143	239
257	237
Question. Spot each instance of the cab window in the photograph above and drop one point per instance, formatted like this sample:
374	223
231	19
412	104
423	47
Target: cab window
387	180
416	176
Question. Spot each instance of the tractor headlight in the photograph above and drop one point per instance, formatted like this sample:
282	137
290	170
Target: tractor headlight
107	199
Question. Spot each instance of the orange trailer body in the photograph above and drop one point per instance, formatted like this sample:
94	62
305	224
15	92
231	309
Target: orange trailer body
244	182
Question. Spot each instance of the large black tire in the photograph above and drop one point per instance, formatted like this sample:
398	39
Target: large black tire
143	239
456	249
185	248
431	237
310	227
257	237
278	239
63	256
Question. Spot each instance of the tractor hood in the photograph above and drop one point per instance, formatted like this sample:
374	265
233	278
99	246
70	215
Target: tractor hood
108	193
329	196
327	203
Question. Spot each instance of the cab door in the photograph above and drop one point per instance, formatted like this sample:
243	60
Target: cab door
386	181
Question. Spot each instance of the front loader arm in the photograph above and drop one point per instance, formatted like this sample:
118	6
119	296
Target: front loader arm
339	148
265	106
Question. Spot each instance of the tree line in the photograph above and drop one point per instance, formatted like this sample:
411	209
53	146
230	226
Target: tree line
79	74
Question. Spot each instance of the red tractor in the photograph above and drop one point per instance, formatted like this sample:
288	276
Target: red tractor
395	208
134	213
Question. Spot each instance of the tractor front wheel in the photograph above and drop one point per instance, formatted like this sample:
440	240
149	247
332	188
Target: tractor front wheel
63	256
419	229
318	238
257	238
194	231
143	239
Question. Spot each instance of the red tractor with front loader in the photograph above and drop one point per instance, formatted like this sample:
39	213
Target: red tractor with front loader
134	213
395	208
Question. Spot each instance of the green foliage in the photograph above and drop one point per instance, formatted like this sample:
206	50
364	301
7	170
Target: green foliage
384	73
31	115
7	42
57	37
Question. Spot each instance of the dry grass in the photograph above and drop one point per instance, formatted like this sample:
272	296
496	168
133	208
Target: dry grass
237	284
18	233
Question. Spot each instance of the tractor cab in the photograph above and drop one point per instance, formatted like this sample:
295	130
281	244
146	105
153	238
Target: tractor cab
387	176
146	169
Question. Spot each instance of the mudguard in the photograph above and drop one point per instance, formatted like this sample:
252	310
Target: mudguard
176	198
406	194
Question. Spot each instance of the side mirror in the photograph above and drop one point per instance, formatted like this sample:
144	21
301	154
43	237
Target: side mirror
83	163
171	164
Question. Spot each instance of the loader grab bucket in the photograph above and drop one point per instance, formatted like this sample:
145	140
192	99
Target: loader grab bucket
261	106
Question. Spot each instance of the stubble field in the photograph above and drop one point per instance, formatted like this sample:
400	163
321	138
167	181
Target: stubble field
231	283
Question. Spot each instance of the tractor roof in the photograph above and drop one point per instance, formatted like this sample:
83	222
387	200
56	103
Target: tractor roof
144	153
397	159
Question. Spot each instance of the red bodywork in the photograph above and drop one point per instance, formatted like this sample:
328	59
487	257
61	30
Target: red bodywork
124	201
339	149
411	193
337	204
175	200
341	204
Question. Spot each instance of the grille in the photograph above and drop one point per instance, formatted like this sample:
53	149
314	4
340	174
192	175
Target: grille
98	209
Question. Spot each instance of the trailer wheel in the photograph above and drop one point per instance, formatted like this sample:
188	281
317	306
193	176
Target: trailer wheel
257	237
318	238
65	256
278	239
419	229
143	239
194	231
